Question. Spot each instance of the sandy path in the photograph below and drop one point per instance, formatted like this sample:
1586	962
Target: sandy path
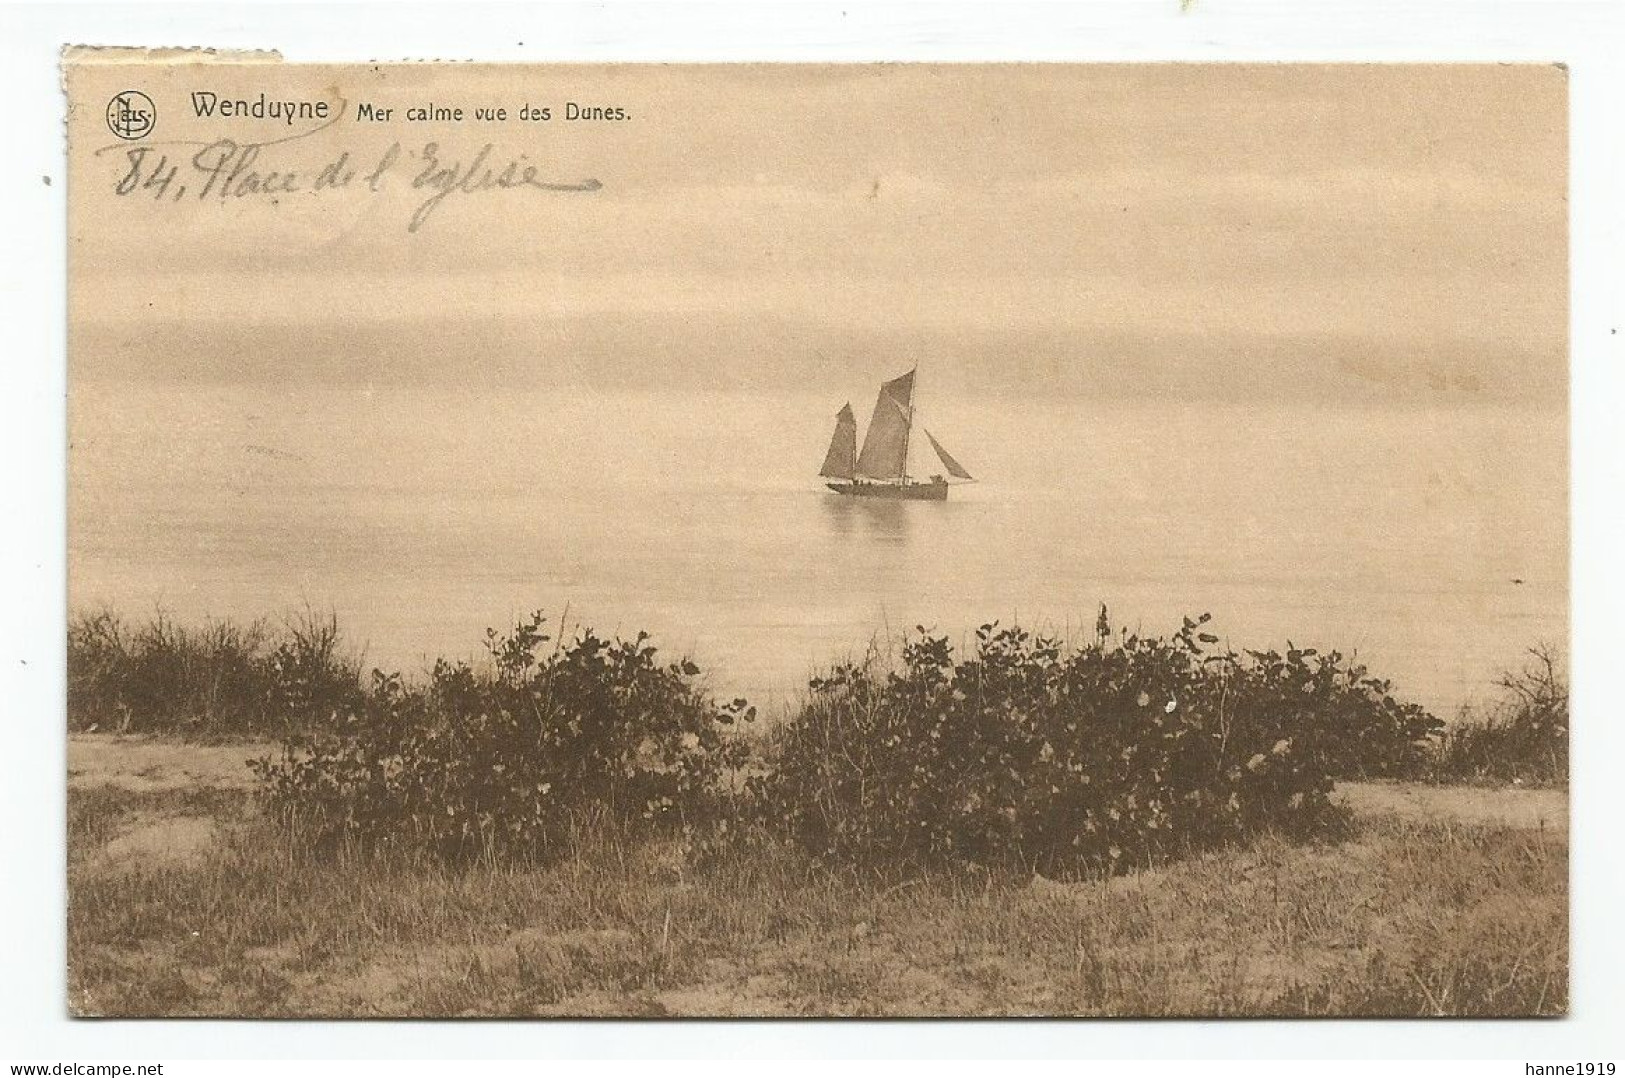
1502	806
150	764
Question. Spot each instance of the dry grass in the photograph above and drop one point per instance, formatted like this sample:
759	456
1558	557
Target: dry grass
184	901
219	679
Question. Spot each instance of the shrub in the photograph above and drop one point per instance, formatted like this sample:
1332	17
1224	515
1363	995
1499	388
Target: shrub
1522	737
309	677
221	677
1120	751
506	761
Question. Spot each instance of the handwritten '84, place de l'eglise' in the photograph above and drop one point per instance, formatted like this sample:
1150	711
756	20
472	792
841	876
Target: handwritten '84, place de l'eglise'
228	169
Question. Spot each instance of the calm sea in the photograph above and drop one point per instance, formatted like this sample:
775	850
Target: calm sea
1431	542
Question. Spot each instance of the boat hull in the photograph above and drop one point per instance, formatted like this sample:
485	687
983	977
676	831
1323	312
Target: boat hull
904	492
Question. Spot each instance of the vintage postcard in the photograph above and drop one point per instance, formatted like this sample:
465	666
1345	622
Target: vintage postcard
816	540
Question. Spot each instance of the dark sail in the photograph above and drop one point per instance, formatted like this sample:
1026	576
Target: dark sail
843	448
955	469
885	447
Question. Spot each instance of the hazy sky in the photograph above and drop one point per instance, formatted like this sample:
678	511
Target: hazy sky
1205	230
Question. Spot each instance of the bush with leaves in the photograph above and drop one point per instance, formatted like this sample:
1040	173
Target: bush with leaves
1124	750
508	761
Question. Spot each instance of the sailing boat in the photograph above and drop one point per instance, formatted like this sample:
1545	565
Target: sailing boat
881	469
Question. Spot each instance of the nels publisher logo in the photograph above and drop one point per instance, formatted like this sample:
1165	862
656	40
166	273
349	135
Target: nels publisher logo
131	115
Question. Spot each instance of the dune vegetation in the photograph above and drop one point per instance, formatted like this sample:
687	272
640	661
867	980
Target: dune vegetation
574	826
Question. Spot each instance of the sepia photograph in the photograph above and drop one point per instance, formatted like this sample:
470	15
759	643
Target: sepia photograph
927	540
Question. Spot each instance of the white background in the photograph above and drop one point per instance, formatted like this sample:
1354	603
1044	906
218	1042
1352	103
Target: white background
1585	36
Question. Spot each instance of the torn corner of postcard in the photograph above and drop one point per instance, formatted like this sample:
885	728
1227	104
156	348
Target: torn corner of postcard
183	134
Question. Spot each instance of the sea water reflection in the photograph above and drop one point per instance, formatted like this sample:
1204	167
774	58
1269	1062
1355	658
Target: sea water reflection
873	520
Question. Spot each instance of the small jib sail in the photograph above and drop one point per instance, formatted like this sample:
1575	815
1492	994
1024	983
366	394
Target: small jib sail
842	459
955	469
885	447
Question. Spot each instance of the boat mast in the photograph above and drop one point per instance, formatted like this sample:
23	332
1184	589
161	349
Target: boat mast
908	428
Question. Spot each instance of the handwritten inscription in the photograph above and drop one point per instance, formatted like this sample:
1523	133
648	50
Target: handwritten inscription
226	170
